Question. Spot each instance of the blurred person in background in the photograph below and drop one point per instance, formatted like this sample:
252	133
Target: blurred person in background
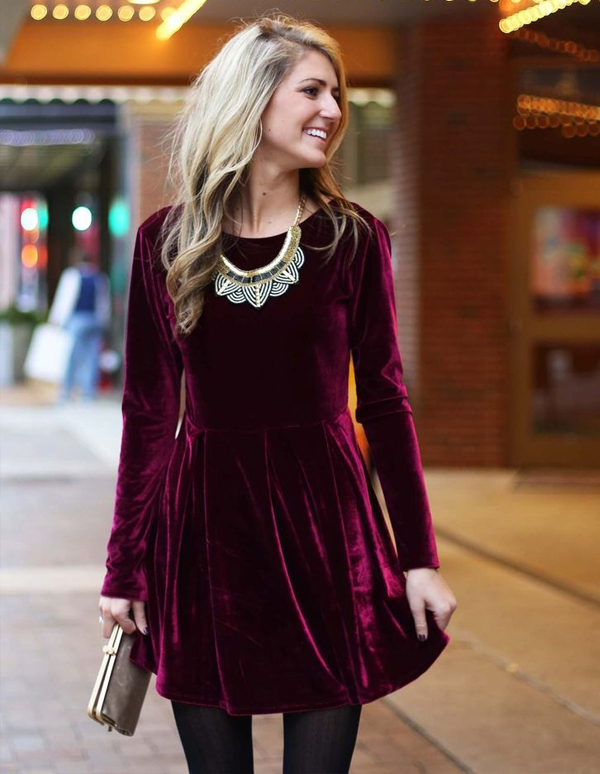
81	306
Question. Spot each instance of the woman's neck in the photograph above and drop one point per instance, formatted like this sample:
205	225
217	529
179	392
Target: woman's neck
263	220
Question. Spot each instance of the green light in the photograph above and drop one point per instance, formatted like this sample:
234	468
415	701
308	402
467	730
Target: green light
118	218
42	214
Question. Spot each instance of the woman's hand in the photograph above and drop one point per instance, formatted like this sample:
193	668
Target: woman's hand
426	589
114	609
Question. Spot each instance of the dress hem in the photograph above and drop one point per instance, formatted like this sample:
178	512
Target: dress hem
407	678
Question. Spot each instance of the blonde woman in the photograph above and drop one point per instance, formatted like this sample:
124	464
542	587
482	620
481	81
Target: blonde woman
247	542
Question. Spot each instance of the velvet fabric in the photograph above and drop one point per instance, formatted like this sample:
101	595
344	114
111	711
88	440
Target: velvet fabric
252	529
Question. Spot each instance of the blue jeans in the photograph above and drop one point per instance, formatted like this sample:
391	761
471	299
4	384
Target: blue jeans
84	363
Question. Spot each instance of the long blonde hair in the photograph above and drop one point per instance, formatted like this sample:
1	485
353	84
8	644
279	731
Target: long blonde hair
213	142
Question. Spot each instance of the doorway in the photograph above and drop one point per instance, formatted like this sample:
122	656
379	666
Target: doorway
555	321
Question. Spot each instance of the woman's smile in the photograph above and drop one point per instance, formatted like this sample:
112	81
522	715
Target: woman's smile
316	137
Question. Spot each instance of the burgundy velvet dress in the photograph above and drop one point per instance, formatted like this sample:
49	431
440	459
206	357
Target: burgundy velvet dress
251	528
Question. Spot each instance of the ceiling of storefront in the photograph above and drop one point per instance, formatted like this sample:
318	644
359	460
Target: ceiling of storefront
349	12
47	161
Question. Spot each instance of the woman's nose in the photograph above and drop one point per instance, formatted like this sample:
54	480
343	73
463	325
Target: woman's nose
332	112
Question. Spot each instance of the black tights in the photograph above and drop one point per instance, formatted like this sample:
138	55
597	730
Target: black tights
316	742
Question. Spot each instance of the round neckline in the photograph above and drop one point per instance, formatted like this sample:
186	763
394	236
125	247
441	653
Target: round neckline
273	236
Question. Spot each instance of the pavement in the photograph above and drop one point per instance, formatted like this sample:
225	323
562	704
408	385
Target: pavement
517	691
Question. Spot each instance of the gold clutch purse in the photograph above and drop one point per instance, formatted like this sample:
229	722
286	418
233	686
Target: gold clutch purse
121	686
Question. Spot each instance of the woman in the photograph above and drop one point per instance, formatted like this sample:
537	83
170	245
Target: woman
250	546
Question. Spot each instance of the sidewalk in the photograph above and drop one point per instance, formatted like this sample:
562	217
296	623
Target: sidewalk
516	691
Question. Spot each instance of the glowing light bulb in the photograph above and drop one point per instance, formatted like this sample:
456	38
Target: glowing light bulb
103	12
125	13
81	218
60	11
29	219
147	14
38	11
82	12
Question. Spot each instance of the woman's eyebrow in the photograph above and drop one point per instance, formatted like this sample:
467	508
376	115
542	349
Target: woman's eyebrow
319	80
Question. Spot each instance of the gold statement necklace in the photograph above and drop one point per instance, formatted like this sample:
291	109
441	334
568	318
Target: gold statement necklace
257	285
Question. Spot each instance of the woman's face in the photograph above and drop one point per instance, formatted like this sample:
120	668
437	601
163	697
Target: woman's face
307	97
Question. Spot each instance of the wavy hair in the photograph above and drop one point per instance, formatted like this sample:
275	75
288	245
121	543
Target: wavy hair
214	139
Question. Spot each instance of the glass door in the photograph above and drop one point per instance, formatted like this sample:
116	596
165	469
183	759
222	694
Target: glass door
555	321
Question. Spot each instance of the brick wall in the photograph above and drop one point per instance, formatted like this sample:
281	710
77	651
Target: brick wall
452	166
146	127
406	219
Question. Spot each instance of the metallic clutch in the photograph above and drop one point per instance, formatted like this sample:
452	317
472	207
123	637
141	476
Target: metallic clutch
121	686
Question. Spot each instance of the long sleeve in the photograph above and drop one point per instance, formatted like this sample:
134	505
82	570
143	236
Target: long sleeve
150	409
382	402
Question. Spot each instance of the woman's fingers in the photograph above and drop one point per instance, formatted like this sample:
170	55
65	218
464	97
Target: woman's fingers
427	590
139	615
107	623
441	613
417	608
445	603
122	615
118	610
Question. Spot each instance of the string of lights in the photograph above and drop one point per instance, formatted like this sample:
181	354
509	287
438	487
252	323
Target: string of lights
574	119
172	17
569	47
129	10
535	10
528	104
103	12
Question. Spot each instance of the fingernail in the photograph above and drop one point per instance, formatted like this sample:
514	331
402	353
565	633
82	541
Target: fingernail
145	630
422	637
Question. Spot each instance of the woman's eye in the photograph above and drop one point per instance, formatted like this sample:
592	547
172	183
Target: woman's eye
336	97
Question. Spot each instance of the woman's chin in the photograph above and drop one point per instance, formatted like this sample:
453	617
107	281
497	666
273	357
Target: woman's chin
313	161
